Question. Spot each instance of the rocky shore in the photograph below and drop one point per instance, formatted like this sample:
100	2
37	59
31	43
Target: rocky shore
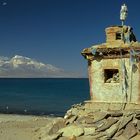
82	124
79	123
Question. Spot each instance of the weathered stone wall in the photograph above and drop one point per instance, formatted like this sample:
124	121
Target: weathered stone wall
112	92
111	33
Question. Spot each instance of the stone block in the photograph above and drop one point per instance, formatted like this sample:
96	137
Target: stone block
72	130
130	131
108	124
89	130
124	121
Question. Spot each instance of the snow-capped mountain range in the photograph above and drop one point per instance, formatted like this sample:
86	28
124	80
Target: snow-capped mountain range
24	67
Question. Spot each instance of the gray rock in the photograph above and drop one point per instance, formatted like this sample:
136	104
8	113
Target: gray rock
112	130
98	116
121	138
81	119
89	120
137	112
85	119
77	105
89	130
138	125
118	133
74	111
50	130
82	113
72	130
71	120
86	125
100	123
115	113
130	131
58	124
128	112
68	114
99	135
109	123
124	121
135	121
137	116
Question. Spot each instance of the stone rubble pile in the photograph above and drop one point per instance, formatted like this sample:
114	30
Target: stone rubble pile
82	124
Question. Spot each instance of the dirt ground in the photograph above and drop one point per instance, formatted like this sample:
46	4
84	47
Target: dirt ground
18	127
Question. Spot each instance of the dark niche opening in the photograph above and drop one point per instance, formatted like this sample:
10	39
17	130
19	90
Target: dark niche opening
118	36
111	75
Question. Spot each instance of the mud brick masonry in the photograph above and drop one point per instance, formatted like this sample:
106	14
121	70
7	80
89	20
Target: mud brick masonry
114	70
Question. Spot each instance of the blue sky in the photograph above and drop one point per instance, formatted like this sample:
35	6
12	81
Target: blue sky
56	31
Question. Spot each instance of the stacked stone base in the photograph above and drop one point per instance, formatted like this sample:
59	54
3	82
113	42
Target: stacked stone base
84	123
110	106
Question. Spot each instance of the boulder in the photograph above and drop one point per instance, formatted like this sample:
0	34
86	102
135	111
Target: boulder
72	130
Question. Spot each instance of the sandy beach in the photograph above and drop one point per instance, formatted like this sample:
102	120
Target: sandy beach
21	127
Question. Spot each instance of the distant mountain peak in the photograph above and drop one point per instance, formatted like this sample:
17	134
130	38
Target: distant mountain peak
21	57
18	56
20	66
